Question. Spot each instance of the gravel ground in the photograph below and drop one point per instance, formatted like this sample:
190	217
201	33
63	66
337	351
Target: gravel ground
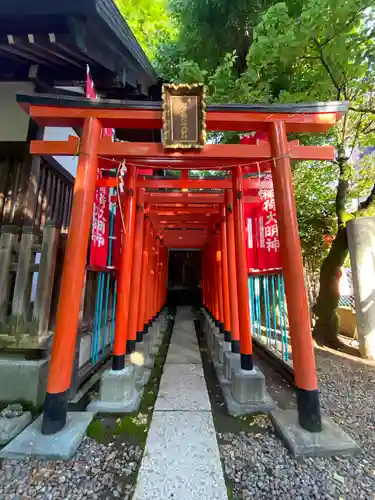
96	472
258	465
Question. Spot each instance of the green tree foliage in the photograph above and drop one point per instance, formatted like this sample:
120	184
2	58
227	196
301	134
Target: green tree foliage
326	52
151	23
208	29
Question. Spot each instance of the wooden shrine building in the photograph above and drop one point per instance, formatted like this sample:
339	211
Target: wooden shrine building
45	47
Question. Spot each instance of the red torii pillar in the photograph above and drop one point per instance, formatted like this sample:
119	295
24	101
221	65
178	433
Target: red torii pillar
219	270
142	322
232	275
124	279
134	297
246	347
225	271
64	341
298	310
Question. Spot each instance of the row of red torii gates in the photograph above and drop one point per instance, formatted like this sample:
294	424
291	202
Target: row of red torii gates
155	220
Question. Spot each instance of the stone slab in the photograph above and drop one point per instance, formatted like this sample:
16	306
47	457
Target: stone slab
126	406
182	355
183	387
181	460
331	441
236	410
11	427
25	380
60	446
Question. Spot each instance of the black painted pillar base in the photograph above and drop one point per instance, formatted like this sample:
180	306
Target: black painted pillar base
150	323
118	362
221	328
140	336
235	344
308	407
130	346
247	362
227	336
217	323
145	329
55	411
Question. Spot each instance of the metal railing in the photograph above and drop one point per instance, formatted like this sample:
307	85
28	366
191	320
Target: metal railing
268	313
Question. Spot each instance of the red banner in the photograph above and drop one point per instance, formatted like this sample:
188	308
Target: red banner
100	219
100	229
263	249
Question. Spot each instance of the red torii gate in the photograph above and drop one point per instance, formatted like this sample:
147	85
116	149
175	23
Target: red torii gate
155	221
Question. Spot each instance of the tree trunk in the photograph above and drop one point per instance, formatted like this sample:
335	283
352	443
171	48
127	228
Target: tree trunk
327	325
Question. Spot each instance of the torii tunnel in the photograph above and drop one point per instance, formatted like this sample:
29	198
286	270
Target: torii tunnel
163	214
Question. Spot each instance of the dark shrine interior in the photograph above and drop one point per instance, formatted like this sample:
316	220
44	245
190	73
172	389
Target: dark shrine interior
184	278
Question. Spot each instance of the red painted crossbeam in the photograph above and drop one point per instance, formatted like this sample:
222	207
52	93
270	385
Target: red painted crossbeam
212	155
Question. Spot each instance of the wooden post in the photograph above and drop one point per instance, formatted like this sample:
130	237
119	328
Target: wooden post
225	273
142	322
136	274
22	286
298	310
232	274
215	290
8	240
64	342
156	279
219	270
46	274
242	275
124	280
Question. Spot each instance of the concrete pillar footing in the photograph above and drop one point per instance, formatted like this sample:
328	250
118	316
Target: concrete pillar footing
246	393
119	392
331	441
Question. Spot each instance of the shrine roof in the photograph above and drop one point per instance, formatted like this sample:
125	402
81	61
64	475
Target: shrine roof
60	37
338	107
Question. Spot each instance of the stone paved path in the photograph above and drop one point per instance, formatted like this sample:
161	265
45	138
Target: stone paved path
182	460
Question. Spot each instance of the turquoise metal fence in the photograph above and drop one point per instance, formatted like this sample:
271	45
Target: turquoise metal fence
105	304
268	312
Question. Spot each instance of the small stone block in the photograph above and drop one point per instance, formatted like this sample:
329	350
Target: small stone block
117	386
60	446
232	363
331	441
220	373
125	406
11	427
143	378
236	409
222	347
248	387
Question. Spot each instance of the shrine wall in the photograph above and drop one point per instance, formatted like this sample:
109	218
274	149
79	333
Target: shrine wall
14	126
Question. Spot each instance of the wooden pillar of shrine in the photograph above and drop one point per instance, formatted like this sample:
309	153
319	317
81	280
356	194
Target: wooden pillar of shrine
124	279
219	268
134	298
225	271
142	322
246	347
232	274
298	311
64	341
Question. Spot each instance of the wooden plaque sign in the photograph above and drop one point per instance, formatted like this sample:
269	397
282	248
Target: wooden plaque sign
184	116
